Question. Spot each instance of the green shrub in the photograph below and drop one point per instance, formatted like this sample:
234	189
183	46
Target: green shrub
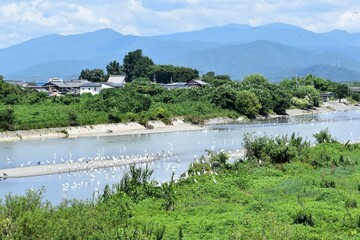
350	203
327	183
73	119
275	150
304	218
247	103
302	103
7	119
324	137
114	117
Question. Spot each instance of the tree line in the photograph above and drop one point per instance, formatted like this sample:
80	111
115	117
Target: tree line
142	99
136	65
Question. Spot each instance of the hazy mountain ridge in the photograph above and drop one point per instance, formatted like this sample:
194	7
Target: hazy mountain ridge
275	50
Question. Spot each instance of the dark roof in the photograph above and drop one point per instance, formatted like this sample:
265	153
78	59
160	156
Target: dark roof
57	84
75	83
16	82
91	84
198	82
355	89
114	85
67	84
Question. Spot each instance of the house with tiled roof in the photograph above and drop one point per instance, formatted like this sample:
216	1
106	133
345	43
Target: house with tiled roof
57	85
119	79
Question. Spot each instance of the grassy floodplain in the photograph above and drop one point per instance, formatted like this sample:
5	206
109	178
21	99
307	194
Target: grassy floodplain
286	189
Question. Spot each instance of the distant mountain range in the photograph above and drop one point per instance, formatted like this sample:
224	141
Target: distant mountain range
276	50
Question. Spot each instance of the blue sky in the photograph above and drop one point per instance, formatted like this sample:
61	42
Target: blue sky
21	20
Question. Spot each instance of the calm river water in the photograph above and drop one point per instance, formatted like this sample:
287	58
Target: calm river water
185	146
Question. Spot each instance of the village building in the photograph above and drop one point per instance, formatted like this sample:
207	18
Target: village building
188	84
197	83
355	89
105	85
119	79
20	83
175	85
91	87
326	96
59	86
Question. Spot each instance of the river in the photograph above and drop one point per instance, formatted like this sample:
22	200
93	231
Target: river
184	146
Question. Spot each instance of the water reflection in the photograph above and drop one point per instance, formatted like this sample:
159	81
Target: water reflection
185	146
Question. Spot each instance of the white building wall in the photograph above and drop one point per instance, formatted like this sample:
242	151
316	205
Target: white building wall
92	90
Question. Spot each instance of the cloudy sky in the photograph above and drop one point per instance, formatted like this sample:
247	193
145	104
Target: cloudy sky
21	20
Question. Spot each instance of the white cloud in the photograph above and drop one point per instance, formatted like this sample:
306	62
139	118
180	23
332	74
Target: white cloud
24	19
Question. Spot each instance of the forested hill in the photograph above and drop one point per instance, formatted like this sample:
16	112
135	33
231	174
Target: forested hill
274	50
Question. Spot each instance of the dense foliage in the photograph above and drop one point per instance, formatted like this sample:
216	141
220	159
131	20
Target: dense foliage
143	99
93	75
136	65
311	197
170	73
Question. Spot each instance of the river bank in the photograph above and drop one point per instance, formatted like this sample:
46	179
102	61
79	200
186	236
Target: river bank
331	106
133	128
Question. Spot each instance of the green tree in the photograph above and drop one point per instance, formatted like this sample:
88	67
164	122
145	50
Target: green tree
289	84
136	65
355	96
8	89
266	99
247	103
310	93
259	85
255	81
170	73
224	96
7	119
217	80
93	75
342	91
281	100
114	68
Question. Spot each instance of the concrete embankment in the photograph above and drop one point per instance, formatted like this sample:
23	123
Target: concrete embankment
178	125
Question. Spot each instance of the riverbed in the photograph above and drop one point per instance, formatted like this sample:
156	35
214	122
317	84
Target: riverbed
178	149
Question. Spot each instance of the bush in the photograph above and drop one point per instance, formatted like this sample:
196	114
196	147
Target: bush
7	119
350	203
327	183
324	137
274	150
355	96
114	117
302	103
247	103
73	119
12	99
304	218
218	159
